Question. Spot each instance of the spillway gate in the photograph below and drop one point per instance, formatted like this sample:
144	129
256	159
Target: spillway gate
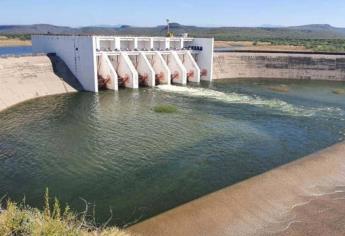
110	62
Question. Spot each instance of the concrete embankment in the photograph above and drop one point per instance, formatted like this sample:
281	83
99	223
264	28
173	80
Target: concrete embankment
305	197
24	78
279	65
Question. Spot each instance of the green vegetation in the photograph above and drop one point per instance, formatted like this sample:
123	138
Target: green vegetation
18	36
339	91
20	219
317	45
165	108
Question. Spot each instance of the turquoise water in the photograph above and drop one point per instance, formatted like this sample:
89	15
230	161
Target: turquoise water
113	150
16	50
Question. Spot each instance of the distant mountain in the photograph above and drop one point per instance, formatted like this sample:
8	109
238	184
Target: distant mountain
314	27
315	31
107	26
35	29
320	28
271	26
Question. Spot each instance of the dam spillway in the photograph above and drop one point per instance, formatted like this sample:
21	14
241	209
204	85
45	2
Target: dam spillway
110	62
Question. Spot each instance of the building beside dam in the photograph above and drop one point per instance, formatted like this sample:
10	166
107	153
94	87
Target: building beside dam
109	62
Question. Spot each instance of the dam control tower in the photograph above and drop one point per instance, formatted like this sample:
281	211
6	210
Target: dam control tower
110	62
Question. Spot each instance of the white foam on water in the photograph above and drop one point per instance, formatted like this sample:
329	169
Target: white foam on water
237	98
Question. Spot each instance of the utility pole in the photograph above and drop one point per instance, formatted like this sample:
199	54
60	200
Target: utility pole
168	24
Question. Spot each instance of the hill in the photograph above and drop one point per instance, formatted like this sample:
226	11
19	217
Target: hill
321	31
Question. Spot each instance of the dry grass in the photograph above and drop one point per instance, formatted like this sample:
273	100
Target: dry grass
258	46
20	219
6	42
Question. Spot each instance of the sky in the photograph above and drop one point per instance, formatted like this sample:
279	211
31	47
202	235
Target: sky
189	12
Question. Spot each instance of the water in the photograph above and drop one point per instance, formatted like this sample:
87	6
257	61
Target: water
115	151
17	50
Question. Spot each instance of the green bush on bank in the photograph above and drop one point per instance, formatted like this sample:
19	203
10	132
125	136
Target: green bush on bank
20	219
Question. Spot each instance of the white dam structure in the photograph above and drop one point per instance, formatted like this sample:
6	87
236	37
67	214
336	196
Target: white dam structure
110	62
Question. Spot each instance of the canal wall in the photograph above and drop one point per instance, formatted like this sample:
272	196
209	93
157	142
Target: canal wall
308	66
305	197
24	78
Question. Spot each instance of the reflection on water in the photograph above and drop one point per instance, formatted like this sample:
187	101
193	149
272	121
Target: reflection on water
115	151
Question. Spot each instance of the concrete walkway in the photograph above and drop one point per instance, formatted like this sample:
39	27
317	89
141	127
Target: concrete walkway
24	78
306	197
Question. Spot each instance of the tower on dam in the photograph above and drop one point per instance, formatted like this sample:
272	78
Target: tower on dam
110	62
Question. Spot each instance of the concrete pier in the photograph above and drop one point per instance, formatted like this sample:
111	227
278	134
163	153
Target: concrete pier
305	197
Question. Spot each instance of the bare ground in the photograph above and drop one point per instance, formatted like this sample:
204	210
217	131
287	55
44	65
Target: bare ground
260	46
5	42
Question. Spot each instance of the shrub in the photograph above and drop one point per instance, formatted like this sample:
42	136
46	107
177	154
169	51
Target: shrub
20	219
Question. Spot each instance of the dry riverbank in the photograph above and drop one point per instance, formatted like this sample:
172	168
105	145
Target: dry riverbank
6	42
258	46
24	78
306	197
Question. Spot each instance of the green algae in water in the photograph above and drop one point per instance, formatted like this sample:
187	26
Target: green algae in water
279	88
339	91
165	108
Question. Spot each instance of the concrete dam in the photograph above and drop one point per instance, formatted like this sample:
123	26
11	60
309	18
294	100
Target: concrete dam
69	68
258	122
110	62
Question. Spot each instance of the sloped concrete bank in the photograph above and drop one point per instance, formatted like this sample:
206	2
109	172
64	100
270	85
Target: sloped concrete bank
229	65
305	197
28	77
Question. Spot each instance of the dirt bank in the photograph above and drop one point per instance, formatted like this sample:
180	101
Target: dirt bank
6	42
257	46
305	197
24	78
